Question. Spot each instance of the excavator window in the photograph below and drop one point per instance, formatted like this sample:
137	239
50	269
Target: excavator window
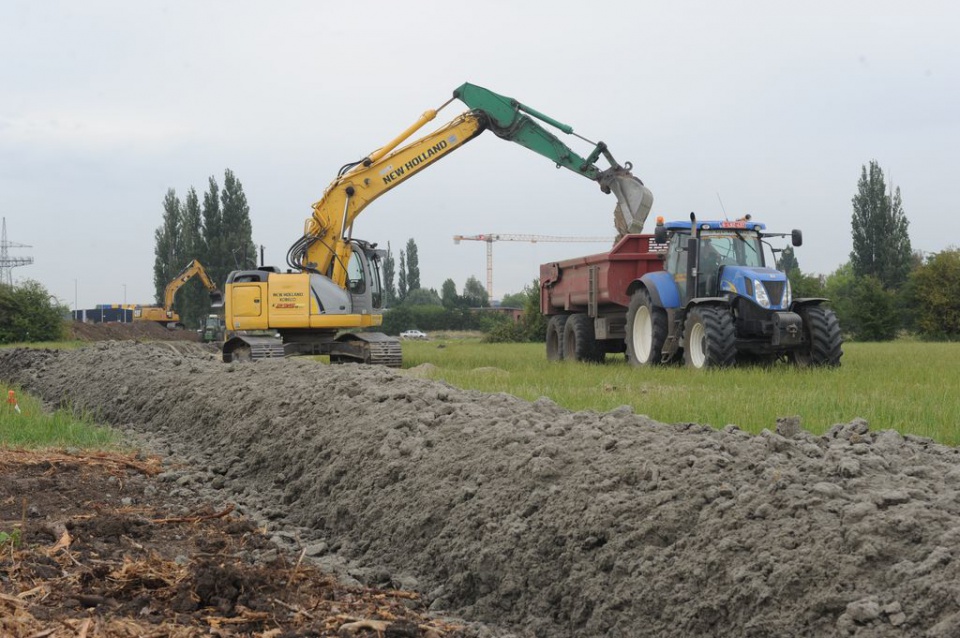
376	287
677	261
356	282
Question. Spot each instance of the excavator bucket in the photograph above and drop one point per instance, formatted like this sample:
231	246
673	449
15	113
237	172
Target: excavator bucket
634	201
216	299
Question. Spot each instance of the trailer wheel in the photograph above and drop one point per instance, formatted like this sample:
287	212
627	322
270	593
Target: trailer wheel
579	340
822	338
555	337
710	338
646	330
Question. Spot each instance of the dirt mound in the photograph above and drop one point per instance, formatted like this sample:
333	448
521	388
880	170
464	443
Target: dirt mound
136	331
557	523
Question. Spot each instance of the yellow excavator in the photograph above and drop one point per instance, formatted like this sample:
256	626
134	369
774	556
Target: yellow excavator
166	315
332	289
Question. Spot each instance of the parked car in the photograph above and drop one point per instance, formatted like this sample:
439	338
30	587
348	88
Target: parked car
413	334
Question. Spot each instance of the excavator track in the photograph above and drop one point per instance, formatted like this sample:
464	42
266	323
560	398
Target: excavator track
252	348
386	353
373	348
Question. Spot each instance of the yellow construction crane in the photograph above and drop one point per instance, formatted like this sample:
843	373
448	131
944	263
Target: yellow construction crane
533	239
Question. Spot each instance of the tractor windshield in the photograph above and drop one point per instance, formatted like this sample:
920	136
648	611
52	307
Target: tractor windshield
731	248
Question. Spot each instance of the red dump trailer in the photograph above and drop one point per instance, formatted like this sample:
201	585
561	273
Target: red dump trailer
586	298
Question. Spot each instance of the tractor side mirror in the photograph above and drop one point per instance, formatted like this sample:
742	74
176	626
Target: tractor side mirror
796	237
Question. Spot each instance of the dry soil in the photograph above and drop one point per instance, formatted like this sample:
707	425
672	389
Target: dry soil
535	520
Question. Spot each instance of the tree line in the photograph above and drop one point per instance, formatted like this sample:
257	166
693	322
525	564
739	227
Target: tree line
886	289
215	230
410	306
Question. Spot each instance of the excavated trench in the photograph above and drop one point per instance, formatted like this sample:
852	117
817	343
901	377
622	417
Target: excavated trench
539	520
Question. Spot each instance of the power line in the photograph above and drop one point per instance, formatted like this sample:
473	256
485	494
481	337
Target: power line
8	263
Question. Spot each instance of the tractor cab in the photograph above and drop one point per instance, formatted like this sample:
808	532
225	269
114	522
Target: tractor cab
723	259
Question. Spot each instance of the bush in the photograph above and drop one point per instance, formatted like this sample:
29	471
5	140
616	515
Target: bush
404	317
27	313
875	313
507	332
865	309
936	290
532	325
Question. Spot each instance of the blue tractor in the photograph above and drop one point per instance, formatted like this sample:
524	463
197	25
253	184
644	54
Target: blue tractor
717	302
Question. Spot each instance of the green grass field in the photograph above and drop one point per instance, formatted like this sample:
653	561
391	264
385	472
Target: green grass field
909	386
32	427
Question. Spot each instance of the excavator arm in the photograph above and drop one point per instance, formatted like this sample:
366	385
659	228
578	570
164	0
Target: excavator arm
325	245
193	269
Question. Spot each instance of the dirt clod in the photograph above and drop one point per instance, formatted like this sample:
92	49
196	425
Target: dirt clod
529	517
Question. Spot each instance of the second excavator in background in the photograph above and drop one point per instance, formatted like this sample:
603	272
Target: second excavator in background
165	315
332	291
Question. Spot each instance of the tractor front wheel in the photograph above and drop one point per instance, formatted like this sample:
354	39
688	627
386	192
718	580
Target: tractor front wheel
822	338
646	330
710	340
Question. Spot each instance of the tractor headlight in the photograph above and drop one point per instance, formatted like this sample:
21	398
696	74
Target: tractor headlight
761	292
787	296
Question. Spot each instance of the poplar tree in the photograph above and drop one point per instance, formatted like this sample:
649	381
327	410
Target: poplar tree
213	232
168	245
402	279
788	261
216	231
237	229
881	244
192	301
413	266
389	273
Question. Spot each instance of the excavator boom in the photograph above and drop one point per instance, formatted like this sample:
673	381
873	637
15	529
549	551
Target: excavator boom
324	247
333	293
193	269
507	121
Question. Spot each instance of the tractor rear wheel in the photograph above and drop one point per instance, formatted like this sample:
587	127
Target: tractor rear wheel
555	337
822	338
710	338
646	330
580	341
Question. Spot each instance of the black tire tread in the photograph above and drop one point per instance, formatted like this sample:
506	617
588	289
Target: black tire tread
578	332
660	328
720	332
825	341
555	337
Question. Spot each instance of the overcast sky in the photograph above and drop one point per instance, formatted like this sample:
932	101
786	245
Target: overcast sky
770	107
